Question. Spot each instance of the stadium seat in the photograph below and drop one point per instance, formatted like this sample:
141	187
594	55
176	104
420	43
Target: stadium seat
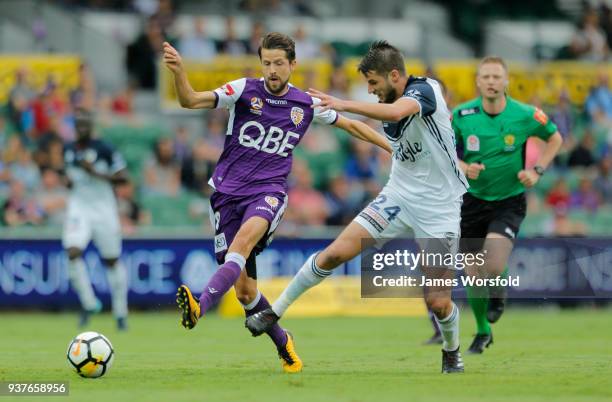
171	211
535	224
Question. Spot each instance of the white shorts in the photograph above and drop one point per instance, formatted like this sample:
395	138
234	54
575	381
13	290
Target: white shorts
390	217
101	225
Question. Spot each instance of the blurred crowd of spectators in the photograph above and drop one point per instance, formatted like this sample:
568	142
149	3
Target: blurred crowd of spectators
143	54
593	37
34	126
149	7
582	169
333	174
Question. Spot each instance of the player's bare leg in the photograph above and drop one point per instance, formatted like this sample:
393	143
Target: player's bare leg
498	249
316	268
439	302
79	279
226	276
253	301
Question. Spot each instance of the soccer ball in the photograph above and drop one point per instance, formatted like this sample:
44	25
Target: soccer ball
90	354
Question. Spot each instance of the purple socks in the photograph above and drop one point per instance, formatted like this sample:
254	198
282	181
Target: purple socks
219	284
225	277
276	333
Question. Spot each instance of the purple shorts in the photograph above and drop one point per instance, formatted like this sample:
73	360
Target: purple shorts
229	212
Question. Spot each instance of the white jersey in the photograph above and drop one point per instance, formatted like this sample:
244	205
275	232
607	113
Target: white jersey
425	169
88	191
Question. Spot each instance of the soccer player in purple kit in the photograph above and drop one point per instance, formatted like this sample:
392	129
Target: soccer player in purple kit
268	118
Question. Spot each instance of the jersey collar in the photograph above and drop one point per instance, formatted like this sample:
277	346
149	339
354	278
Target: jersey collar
479	104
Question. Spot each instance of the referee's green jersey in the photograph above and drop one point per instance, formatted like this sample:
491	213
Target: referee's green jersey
499	142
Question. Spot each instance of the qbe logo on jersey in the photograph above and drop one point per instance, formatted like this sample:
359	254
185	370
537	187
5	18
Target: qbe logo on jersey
276	141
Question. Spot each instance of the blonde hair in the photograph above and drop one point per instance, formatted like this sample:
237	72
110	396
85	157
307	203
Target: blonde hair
493	60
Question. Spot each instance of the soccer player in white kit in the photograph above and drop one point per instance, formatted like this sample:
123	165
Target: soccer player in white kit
92	166
423	194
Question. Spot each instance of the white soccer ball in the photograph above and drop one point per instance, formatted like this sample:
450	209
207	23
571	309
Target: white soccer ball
90	354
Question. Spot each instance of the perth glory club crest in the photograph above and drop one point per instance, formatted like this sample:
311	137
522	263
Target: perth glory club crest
297	115
272	201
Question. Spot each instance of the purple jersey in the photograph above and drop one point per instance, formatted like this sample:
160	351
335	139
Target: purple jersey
262	131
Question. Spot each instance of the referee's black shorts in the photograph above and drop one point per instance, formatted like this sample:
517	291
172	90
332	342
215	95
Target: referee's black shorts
480	217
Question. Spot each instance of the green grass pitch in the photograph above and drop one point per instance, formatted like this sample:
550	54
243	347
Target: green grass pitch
538	355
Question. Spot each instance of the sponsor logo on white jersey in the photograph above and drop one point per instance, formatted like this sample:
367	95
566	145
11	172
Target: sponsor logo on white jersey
410	151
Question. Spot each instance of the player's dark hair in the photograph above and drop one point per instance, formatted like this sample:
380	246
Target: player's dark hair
493	60
382	58
277	40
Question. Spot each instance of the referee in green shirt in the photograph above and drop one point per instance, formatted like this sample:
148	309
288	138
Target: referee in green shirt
492	130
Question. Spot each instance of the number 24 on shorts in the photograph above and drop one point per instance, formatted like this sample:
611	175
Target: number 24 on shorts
391	211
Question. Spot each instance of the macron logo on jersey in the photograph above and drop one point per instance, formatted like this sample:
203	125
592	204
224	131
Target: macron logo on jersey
276	101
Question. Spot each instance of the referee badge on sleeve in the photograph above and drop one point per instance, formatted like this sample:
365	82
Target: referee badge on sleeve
473	143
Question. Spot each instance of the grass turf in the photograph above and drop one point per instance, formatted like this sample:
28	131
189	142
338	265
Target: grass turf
538	355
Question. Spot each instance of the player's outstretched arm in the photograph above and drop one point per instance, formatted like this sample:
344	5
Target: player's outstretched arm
362	131
115	178
188	98
119	177
396	111
553	145
529	178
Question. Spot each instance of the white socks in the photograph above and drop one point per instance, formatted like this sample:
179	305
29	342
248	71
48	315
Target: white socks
449	327
251	305
79	279
236	258
308	276
117	281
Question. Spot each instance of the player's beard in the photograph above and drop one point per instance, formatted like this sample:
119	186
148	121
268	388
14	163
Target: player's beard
281	86
388	94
